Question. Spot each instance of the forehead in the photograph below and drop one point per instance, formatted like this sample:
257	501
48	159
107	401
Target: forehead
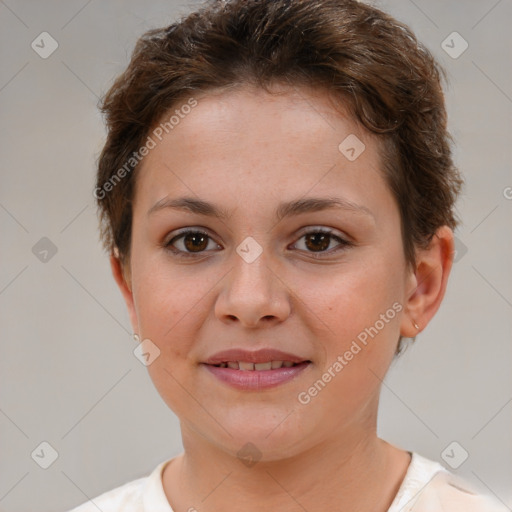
253	114
247	143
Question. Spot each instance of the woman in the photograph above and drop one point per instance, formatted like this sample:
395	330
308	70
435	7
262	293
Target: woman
277	198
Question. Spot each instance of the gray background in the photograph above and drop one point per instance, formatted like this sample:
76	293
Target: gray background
68	374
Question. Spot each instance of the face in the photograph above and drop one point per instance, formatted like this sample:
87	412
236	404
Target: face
326	285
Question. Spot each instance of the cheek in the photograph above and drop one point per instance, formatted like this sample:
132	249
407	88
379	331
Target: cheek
172	303
169	309
347	302
161	300
351	305
361	309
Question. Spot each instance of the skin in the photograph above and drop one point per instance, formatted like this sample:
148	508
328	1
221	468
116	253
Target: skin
246	151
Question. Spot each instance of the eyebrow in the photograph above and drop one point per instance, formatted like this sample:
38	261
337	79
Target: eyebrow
296	207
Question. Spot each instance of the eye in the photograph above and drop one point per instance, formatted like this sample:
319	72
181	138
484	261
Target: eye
193	242
318	240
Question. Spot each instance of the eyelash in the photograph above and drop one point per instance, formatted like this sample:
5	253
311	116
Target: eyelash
182	254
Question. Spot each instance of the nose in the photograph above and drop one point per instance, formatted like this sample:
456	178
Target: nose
253	294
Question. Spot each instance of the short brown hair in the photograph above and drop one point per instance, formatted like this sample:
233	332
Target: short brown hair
373	64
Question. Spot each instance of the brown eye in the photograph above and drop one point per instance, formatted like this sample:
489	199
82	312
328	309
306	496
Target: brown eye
195	242
318	241
189	242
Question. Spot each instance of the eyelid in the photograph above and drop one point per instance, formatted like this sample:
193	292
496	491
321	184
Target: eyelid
184	231
314	228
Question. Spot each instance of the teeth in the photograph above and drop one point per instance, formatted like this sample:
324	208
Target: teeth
244	365
263	366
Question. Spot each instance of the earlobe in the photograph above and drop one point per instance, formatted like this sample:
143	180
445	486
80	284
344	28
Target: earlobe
125	286
429	282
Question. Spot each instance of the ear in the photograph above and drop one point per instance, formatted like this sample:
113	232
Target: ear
427	284
125	286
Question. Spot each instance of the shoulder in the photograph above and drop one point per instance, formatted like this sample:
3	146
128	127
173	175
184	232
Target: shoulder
429	487
125	498
449	492
145	493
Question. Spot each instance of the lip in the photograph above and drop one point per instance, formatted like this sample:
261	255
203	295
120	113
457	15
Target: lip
255	356
255	380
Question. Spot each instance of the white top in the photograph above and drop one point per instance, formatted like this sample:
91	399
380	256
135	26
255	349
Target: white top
427	487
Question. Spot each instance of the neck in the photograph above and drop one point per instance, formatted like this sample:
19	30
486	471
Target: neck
366	471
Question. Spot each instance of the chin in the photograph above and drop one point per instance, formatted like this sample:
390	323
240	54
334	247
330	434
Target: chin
273	435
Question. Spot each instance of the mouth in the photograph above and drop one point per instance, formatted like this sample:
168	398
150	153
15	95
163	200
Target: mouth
264	366
248	376
255	370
